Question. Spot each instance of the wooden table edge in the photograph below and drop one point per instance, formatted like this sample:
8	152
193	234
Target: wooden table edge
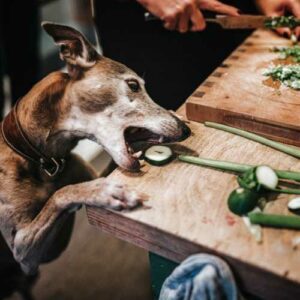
143	235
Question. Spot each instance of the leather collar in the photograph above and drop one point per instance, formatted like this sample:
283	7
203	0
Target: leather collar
16	139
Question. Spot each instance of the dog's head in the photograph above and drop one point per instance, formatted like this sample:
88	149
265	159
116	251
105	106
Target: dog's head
108	102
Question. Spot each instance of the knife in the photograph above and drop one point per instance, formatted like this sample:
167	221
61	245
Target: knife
237	22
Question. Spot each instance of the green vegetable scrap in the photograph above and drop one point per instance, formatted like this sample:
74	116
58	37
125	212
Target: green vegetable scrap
279	221
283	21
289	75
259	179
241	201
286	52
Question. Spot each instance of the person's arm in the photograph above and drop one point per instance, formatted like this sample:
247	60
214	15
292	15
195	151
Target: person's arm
179	14
280	8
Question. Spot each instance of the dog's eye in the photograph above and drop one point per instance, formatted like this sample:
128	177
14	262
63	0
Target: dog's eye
133	85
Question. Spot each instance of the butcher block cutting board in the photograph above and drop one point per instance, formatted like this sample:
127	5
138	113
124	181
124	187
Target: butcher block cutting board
238	94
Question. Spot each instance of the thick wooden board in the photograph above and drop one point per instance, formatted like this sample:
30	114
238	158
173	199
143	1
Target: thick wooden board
188	214
235	95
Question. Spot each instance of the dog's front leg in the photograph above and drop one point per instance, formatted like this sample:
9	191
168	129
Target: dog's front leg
32	240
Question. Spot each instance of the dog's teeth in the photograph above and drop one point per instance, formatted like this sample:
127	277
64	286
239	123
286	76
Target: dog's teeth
161	138
130	150
137	154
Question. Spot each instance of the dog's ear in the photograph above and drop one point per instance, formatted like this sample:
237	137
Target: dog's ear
74	47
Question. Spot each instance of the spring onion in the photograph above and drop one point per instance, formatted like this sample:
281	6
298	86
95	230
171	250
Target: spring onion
259	178
278	221
234	167
254	229
294	204
293	151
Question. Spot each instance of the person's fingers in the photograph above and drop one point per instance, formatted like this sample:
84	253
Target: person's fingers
294	7
218	7
286	32
170	21
184	19
297	32
283	31
197	19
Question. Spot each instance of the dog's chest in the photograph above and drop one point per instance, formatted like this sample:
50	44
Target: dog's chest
23	189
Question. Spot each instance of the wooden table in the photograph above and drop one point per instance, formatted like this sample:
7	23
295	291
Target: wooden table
188	214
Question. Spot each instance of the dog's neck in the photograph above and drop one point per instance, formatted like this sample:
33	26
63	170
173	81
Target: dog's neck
39	112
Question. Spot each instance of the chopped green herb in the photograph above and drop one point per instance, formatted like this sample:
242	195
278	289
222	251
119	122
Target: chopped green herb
285	52
283	21
289	75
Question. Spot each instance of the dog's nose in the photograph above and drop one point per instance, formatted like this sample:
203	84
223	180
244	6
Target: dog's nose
186	131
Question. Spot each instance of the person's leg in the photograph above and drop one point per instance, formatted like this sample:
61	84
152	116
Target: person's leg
172	64
21	45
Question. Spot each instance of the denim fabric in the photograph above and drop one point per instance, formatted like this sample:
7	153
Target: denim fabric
200	277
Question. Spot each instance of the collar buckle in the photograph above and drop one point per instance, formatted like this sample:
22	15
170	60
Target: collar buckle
52	167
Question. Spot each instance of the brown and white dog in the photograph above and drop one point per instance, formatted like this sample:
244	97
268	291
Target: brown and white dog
42	184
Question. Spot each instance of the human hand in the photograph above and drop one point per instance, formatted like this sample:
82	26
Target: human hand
180	14
276	8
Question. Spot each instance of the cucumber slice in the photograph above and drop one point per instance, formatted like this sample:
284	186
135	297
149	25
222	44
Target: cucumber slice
158	155
267	177
242	201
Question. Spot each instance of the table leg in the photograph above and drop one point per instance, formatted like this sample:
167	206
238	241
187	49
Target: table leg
160	269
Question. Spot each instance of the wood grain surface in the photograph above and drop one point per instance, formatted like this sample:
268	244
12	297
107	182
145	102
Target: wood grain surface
235	93
187	213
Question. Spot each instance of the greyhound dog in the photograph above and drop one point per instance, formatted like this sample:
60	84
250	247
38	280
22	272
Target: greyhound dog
42	183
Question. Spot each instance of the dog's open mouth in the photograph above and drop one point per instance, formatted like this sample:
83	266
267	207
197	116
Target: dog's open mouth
137	138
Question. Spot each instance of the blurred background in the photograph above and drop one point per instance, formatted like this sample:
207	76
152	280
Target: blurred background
95	265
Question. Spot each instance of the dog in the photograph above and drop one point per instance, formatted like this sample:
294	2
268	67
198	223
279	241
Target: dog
42	183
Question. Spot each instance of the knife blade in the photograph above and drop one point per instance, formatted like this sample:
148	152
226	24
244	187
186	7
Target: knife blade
239	22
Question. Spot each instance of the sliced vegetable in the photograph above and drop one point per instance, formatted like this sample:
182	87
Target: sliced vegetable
254	229
267	177
249	180
294	39
294	204
242	201
234	167
282	21
158	155
293	151
278	221
258	178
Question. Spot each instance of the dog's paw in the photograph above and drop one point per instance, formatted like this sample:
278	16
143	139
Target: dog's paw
113	195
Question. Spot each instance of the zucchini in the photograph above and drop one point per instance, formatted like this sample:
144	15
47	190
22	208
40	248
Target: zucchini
158	155
241	201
